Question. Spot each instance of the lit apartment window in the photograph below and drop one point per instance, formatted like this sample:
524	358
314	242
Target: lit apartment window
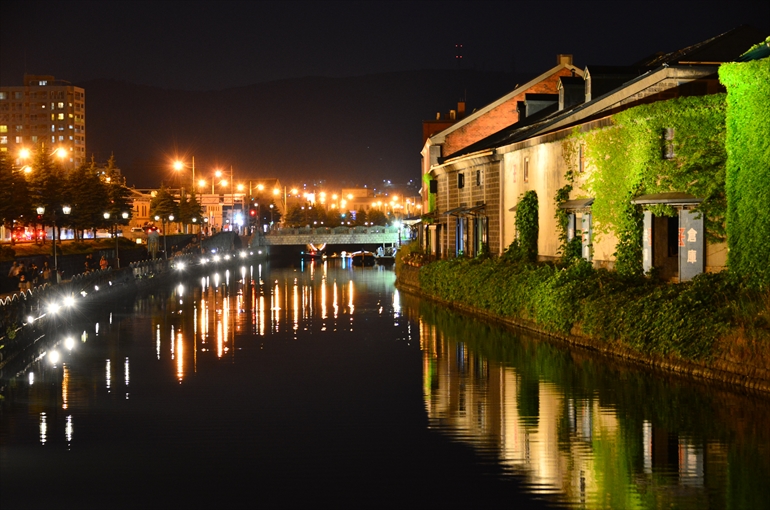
3	128
3	139
3	96
34	139
42	83
61	116
19	139
61	105
19	128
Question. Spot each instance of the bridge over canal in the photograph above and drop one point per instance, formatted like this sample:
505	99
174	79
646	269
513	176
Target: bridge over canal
352	237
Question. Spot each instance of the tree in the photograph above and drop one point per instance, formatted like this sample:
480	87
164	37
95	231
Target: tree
45	186
15	206
118	194
88	198
295	216
190	210
377	217
163	205
334	218
361	218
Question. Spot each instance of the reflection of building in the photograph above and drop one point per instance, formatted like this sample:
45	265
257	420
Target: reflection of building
44	110
573	448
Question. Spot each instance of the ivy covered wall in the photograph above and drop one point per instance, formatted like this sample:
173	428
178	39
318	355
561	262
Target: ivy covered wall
668	146
748	168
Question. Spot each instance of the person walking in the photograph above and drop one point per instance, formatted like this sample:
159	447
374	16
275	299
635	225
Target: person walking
45	272
103	264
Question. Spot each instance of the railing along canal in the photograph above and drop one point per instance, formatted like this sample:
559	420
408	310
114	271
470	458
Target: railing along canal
21	311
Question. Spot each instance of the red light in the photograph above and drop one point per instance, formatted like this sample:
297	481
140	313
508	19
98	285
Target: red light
253	212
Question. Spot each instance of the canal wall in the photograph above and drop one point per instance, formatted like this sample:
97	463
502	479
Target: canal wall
721	369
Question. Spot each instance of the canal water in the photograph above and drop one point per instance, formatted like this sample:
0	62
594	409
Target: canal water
322	385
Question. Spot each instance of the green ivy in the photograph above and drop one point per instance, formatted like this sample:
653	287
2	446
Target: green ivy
748	169
524	247
644	314
628	161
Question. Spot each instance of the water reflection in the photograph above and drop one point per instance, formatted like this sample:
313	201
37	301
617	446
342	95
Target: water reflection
213	317
565	422
578	431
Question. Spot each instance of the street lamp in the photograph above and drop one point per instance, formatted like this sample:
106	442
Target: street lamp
115	228
66	210
179	165
163	223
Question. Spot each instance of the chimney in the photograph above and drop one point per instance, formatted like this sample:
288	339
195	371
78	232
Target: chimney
452	115
563	58
461	109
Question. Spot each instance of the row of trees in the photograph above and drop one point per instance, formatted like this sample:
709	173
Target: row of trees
304	215
89	190
187	211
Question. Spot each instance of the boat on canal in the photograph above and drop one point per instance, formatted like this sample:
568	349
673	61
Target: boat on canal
362	258
385	257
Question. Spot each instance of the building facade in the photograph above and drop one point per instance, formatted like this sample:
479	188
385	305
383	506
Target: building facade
472	193
44	110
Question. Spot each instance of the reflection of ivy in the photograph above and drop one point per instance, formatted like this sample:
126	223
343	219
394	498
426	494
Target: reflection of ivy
678	407
748	171
627	161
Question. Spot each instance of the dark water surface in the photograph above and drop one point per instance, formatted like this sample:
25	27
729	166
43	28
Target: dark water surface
323	386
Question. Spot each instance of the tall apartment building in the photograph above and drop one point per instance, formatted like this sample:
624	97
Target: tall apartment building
44	110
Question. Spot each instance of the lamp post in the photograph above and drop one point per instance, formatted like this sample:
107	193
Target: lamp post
163	223
115	228
179	165
65	210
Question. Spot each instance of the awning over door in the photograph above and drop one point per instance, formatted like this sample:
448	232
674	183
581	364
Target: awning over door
580	204
465	210
673	199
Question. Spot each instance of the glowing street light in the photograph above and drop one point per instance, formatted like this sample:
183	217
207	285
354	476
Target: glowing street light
65	210
124	215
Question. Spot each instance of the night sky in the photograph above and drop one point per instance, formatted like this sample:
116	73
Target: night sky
217	45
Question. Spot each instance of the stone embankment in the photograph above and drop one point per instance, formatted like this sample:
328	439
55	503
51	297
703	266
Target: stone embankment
720	369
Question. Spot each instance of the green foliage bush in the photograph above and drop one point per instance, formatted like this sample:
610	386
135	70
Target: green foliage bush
648	316
748	170
524	247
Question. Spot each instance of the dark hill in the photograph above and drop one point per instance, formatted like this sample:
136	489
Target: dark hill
360	129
